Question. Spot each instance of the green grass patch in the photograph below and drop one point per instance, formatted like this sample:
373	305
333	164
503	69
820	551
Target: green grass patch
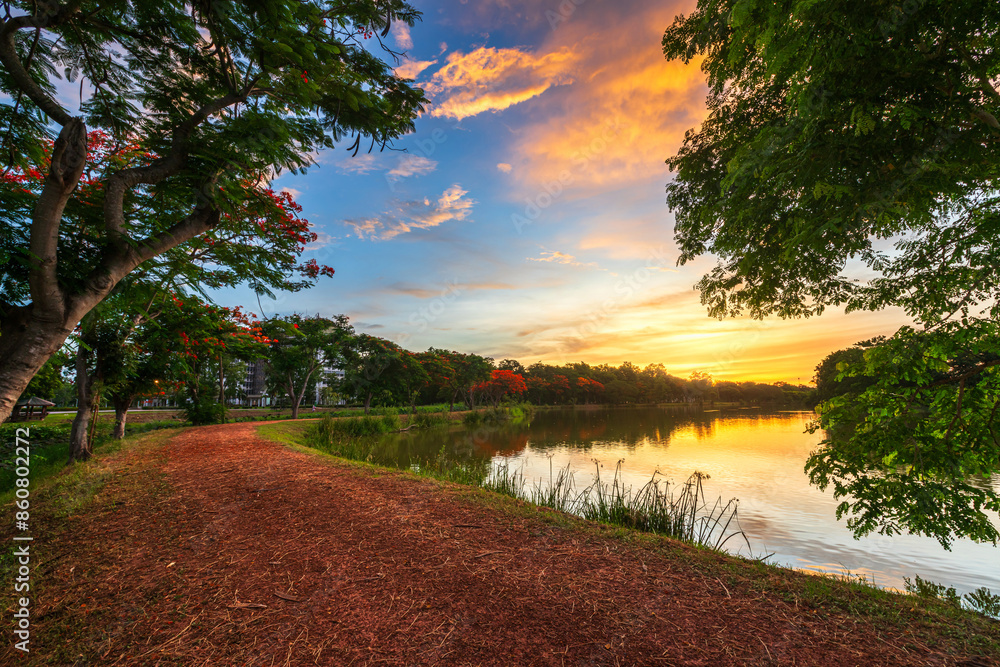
49	446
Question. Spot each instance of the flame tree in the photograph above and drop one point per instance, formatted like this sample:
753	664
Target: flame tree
217	94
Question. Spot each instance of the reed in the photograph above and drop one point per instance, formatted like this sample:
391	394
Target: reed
329	430
558	494
506	481
682	513
656	508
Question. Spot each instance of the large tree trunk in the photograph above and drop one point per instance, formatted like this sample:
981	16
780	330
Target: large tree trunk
79	437
368	401
29	335
27	340
296	401
122	404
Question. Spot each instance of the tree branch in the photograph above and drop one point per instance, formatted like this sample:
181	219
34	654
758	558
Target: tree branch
69	156
22	78
158	170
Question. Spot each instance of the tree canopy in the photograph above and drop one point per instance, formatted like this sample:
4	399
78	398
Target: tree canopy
212	98
842	130
850	157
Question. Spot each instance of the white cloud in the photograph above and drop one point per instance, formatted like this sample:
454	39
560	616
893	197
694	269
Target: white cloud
407	216
504	167
292	191
361	164
412	165
401	33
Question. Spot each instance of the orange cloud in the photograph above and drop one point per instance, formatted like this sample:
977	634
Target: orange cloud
490	79
411	69
557	257
626	109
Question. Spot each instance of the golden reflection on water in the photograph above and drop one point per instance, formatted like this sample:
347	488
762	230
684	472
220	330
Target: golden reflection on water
757	457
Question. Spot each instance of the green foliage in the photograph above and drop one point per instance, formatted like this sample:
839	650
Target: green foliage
48	381
823	146
914	451
928	589
830	378
331	430
377	369
203	408
430	419
190	107
820	141
299	349
981	600
984	601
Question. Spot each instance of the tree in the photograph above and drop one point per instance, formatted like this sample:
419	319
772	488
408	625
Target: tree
589	388
299	348
832	125
374	368
196	342
835	129
467	372
828	378
214	106
511	365
502	383
49	380
106	361
916	449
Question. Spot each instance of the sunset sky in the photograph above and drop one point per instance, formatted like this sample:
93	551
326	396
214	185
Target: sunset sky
526	217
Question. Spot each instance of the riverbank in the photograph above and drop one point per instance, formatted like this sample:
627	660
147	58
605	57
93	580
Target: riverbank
218	546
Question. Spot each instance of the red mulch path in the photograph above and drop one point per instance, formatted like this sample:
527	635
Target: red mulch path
254	554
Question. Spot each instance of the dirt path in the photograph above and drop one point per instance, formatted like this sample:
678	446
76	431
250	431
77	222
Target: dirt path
253	554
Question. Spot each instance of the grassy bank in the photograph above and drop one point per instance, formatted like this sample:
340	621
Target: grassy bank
628	516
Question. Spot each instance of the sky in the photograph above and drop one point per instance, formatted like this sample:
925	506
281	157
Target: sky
526	217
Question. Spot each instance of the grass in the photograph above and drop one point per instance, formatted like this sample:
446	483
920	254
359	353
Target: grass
495	416
330	431
49	443
685	516
71	492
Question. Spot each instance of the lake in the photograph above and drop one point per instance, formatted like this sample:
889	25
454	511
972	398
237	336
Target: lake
754	455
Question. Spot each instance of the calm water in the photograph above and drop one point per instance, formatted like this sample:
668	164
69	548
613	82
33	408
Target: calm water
751	455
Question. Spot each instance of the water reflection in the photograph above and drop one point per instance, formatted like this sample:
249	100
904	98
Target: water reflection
752	455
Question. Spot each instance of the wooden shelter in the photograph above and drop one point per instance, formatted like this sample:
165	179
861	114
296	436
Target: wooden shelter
26	410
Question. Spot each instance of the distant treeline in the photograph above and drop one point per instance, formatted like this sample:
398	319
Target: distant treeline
581	383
